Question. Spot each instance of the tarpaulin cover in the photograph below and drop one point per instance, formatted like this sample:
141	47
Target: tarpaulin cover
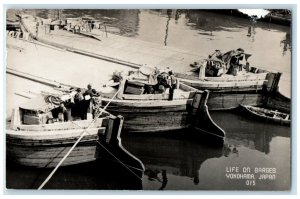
39	104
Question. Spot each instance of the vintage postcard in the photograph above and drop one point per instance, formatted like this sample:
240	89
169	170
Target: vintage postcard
148	99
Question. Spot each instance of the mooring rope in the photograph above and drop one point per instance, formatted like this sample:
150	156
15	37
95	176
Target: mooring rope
210	133
75	144
96	116
121	161
61	161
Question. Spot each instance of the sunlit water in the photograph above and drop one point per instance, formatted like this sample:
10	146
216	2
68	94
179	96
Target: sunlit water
177	161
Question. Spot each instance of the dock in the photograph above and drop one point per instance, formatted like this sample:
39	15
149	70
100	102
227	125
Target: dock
113	48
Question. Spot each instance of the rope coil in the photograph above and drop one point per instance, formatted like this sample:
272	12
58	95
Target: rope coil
80	138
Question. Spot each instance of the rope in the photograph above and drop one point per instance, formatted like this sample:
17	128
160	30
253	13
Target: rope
209	132
120	161
72	148
96	116
53	100
61	161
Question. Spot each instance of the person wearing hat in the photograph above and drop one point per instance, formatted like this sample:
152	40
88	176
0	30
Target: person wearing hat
172	80
78	100
87	99
88	91
78	96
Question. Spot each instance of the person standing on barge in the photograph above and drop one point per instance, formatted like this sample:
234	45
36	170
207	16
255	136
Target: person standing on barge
172	80
78	99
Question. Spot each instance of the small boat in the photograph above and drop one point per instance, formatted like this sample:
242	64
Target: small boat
149	109
39	137
267	115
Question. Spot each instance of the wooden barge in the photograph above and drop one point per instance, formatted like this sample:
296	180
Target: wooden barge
155	112
246	85
37	138
232	82
149	112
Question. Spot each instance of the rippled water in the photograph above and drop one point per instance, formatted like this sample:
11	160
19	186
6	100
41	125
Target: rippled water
175	161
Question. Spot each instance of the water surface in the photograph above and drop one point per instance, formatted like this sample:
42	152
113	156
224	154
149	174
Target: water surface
178	161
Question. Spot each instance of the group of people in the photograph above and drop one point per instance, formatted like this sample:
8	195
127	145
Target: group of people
163	81
84	103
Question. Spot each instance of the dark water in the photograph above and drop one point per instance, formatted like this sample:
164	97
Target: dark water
179	161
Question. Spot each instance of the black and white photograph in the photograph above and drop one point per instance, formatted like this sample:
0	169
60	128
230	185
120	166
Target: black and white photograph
148	99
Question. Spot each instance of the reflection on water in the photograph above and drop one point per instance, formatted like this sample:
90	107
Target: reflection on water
211	22
193	30
175	161
169	154
127	21
251	29
249	133
286	43
169	12
97	175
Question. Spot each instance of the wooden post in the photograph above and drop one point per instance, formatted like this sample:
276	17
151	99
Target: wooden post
202	122
273	81
114	129
16	118
109	129
121	89
13	119
114	150
274	88
177	83
105	30
196	100
202	70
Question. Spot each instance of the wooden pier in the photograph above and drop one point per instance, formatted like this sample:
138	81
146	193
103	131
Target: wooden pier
113	48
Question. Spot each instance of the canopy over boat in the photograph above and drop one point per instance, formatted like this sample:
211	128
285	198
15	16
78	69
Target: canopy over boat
46	102
220	63
39	104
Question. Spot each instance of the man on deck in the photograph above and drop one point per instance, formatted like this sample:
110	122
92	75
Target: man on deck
78	99
172	83
89	90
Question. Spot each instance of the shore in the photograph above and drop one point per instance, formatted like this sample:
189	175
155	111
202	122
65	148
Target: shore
275	16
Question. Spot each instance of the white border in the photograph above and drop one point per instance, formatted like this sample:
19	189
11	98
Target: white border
161	4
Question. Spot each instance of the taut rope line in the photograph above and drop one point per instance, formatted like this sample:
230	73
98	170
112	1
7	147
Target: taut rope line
120	161
75	144
61	161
